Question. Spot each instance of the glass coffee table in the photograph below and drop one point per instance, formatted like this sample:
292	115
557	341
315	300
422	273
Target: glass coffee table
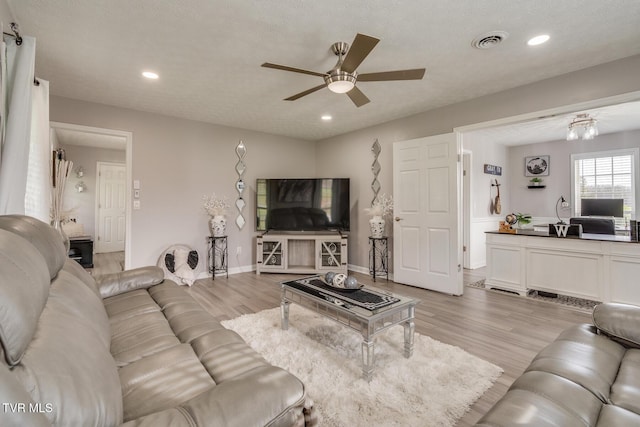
368	310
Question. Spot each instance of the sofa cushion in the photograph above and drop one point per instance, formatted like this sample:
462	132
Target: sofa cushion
625	392
163	380
584	357
68	363
542	399
24	287
44	237
140	336
72	267
12	392
611	415
619	321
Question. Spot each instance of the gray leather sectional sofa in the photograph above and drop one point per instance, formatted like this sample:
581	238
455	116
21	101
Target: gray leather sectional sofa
130	348
589	376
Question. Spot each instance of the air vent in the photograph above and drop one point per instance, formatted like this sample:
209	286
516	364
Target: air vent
489	40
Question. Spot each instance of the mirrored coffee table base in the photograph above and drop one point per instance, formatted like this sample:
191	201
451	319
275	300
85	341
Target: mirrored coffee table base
340	308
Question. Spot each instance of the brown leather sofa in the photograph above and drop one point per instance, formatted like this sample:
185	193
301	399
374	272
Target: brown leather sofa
589	376
130	348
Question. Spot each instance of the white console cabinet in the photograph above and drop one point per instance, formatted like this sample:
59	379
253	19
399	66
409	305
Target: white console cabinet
301	253
595	267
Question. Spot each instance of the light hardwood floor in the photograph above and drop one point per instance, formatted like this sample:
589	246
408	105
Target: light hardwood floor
505	329
111	262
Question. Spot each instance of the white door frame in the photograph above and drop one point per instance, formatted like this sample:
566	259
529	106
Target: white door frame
467	164
128	136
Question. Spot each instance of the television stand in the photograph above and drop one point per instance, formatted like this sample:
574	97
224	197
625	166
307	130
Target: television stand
306	252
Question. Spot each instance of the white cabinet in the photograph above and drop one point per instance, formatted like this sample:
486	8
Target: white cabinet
597	268
302	253
270	253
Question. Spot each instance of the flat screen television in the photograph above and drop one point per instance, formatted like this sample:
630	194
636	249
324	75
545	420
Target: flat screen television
602	207
302	204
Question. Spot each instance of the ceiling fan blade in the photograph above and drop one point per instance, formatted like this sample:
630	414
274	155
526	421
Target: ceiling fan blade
358	97
361	47
306	92
415	74
292	69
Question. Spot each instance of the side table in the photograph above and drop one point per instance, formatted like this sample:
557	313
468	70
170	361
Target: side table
379	257
81	250
217	256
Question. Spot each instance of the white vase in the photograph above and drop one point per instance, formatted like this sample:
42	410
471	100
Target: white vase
377	226
57	224
218	225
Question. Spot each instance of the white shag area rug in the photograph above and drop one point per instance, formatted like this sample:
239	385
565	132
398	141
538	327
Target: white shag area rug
435	387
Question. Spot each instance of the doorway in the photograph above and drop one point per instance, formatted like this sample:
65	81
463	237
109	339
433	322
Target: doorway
86	146
110	207
531	128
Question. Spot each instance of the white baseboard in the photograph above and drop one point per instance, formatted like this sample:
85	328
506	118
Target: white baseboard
232	271
358	268
364	270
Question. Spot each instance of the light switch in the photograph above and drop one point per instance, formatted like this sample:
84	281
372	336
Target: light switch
136	204
136	184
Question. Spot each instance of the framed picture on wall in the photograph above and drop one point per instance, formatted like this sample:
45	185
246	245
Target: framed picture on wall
536	166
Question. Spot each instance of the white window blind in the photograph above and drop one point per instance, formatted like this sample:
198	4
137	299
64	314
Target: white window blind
606	175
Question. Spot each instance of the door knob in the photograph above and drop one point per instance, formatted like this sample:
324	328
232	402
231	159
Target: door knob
398	218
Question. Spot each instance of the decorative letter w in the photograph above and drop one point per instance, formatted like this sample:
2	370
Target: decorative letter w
561	229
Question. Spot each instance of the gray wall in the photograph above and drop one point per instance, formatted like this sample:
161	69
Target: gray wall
177	162
349	154
84	204
542	203
6	17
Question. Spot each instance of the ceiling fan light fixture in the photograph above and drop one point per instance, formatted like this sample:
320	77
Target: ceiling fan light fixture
340	81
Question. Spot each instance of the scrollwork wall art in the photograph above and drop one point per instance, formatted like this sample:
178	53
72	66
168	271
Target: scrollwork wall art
241	151
375	168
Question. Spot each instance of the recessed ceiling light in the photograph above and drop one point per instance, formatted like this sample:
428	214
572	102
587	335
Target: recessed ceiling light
543	38
326	117
150	75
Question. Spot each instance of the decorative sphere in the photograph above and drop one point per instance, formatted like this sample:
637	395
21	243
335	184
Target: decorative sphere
338	280
511	219
329	277
351	282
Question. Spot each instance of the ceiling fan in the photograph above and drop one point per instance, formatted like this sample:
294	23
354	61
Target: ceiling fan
342	77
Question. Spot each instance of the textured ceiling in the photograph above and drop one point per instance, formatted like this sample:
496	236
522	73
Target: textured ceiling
208	53
610	119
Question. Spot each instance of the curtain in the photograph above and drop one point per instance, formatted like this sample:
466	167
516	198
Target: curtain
20	63
37	202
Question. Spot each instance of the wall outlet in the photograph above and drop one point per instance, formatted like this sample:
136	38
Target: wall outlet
238	250
136	204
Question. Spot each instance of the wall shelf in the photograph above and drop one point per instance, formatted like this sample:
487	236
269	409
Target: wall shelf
536	186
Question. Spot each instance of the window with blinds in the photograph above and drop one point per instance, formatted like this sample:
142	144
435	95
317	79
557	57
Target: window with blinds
606	175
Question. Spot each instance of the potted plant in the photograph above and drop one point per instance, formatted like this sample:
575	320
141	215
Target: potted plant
381	207
216	208
535	181
522	219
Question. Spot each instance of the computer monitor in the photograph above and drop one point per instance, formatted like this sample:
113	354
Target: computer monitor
602	207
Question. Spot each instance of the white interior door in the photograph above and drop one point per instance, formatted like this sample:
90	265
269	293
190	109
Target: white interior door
427	215
111	207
